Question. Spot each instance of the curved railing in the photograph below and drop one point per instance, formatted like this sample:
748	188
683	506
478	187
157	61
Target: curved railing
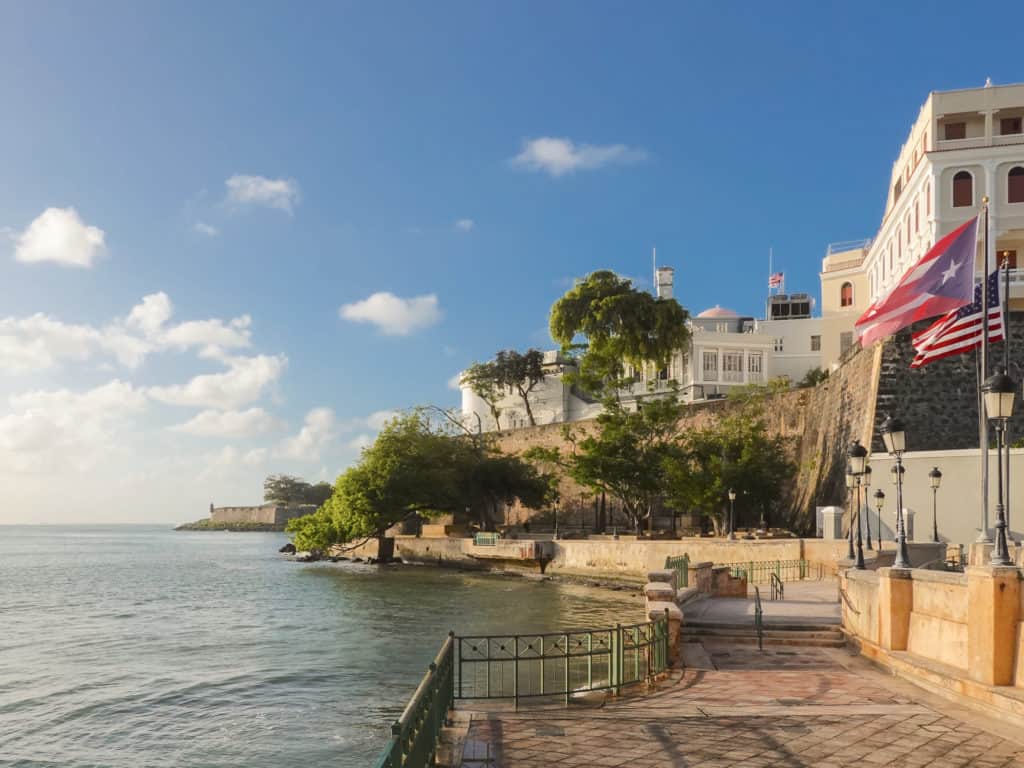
560	664
516	667
416	734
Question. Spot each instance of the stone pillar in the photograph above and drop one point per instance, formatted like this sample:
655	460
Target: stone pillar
895	602
993	611
832	523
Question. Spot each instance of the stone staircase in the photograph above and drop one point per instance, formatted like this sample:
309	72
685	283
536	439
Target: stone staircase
775	633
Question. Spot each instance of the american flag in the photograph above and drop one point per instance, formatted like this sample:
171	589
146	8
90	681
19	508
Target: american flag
959	331
775	280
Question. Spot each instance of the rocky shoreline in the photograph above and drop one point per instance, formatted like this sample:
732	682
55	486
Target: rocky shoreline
208	525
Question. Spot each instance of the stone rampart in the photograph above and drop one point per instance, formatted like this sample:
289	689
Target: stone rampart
264	514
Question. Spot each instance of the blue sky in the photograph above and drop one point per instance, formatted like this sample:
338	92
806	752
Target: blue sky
260	166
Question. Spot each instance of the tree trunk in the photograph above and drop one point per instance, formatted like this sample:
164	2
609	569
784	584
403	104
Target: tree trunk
525	396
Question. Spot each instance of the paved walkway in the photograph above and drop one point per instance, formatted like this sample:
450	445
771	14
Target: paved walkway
786	707
812	602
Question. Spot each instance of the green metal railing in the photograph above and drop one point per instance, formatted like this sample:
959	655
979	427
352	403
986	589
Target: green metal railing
761	571
560	664
778	588
486	539
758	619
416	734
681	565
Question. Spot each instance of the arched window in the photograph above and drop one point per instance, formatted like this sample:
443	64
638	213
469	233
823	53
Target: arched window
963	190
1015	185
846	295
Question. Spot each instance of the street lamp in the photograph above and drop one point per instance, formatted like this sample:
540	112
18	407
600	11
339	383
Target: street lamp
866	482
879	503
732	514
556	521
999	391
858	461
936	479
851	481
894	435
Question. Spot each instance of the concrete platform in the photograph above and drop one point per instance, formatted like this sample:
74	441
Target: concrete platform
806	602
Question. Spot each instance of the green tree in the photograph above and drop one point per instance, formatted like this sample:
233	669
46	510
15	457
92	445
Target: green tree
417	465
619	325
484	381
627	457
734	451
318	493
285	489
521	372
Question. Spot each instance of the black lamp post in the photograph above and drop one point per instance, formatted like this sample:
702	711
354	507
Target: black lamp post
999	391
866	481
556	521
732	514
894	435
851	482
896	475
879	503
936	479
858	455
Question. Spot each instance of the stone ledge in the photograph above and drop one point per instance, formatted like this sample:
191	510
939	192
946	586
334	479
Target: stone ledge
1005	703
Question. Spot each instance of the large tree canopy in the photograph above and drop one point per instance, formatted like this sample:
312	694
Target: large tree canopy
733	451
628	456
287	489
619	325
519	372
417	465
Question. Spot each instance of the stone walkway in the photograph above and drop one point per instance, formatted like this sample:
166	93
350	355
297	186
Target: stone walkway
814	602
785	707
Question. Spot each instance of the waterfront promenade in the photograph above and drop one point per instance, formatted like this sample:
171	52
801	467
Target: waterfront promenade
736	706
785	707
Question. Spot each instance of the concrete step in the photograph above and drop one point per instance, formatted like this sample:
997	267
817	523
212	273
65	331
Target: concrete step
768	632
768	625
805	642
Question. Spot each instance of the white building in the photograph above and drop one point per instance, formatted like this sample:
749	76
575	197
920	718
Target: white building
965	145
726	350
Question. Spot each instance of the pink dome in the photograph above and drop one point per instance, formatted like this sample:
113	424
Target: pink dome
717	311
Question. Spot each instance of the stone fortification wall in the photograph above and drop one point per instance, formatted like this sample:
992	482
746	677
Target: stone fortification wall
820	422
939	402
265	514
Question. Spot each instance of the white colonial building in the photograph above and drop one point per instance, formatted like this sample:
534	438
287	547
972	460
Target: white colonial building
965	145
726	350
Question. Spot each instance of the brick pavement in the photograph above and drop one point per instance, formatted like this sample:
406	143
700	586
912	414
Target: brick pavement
813	707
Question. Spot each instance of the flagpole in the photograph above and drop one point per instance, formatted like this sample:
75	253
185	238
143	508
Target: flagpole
982	375
1005	306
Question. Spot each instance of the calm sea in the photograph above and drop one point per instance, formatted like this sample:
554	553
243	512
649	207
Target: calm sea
141	646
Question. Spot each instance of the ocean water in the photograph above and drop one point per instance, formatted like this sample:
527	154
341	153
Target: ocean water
142	646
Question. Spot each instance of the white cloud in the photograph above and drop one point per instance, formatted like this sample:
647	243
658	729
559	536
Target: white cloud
465	225
246	380
150	315
392	315
205	229
378	419
59	235
39	341
559	156
359	442
230	424
282	194
319	429
53	430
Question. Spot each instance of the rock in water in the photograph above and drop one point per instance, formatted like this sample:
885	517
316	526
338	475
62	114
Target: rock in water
288	549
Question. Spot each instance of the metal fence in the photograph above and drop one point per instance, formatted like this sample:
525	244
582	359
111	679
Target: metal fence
761	571
416	734
560	664
681	565
486	539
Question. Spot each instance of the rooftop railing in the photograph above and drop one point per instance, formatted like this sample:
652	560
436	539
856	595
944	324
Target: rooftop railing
847	245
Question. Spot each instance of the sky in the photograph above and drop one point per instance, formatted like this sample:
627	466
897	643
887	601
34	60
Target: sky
236	237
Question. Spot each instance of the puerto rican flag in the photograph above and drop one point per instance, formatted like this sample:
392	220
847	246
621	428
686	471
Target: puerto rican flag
960	330
943	280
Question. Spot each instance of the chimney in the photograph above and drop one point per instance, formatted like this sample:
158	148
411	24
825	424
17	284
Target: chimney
663	282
